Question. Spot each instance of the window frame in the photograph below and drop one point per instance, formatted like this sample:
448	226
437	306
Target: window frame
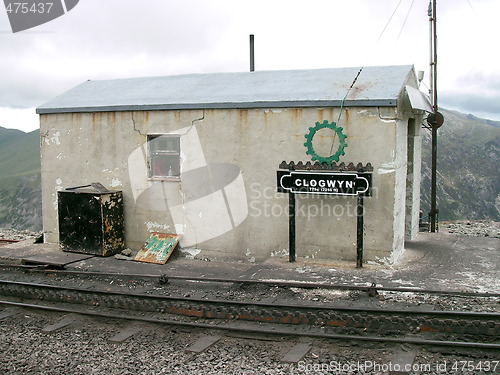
151	154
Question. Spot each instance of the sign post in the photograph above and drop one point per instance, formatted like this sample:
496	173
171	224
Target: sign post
359	232
291	227
344	181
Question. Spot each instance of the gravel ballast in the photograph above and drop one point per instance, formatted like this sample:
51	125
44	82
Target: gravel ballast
84	348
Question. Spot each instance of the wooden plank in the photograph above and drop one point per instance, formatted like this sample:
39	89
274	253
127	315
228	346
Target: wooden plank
202	344
158	248
6	313
64	322
125	334
55	259
402	362
425	307
296	353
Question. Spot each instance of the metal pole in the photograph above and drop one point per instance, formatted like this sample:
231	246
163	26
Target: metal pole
359	231
252	53
431	55
291	227
434	210
434	25
433	213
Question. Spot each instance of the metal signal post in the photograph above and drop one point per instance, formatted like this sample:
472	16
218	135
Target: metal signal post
433	119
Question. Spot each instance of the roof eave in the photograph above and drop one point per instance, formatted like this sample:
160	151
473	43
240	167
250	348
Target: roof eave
229	105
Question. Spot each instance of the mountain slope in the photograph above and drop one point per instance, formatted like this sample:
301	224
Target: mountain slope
19	153
20	190
468	172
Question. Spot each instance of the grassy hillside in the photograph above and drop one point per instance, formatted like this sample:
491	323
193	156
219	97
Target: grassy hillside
19	153
20	192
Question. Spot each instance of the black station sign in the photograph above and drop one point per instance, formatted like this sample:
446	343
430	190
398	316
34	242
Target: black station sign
333	183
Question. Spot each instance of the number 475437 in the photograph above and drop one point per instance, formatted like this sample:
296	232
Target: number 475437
478	366
24	8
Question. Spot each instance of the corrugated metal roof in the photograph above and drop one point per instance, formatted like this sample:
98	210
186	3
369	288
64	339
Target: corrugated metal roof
419	100
375	86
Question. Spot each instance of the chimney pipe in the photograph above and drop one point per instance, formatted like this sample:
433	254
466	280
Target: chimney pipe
252	55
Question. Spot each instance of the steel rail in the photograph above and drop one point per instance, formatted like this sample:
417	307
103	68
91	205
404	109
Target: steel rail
373	288
330	307
264	331
340	317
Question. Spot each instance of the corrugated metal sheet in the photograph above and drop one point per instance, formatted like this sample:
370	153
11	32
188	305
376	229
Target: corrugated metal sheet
375	86
419	100
158	248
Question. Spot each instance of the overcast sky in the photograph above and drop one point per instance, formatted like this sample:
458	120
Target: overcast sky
106	39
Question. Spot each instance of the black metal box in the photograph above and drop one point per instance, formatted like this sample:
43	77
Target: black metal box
90	221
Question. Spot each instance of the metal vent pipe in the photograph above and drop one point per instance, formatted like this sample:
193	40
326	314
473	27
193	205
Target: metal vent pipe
252	53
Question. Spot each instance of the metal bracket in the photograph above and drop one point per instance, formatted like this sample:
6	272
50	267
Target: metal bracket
342	167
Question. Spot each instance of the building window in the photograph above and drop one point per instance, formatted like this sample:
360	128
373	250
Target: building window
164	156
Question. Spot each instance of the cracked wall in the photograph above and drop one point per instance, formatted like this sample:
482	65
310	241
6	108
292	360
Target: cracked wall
229	158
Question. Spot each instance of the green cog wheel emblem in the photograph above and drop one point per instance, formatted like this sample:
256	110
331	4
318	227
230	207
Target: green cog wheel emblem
310	149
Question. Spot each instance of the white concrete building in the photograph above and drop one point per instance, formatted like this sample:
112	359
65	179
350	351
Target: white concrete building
197	155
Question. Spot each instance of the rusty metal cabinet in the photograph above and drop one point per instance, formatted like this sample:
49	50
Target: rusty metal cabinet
91	222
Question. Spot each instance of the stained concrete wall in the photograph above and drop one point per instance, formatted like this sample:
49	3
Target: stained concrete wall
225	204
413	179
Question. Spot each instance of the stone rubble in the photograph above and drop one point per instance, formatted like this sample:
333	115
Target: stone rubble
18	235
477	228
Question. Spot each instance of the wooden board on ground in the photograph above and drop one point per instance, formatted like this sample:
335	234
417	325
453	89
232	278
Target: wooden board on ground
158	248
64	322
296	353
55	259
402	362
7	312
203	343
125	334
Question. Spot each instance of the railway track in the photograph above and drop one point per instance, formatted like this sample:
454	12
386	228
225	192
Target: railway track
52	341
330	321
